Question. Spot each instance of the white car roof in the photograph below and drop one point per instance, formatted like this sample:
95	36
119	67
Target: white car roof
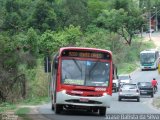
124	75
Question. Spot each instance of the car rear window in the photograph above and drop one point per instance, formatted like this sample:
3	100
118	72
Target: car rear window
123	77
144	84
131	86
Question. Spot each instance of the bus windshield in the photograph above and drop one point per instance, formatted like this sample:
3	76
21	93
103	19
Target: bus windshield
147	58
85	72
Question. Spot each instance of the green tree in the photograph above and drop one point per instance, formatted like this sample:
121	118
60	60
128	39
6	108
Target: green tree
32	41
119	4
15	17
43	17
12	22
72	12
52	41
122	22
9	82
95	7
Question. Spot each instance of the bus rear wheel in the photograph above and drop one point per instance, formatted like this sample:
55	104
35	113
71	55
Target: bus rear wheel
58	109
102	111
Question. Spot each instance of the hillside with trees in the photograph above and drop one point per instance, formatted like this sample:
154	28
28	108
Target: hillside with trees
32	29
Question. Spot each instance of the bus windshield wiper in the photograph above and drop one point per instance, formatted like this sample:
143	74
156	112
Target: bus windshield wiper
93	67
80	69
77	65
89	72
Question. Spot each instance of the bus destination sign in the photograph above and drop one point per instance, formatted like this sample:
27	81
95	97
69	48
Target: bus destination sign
86	54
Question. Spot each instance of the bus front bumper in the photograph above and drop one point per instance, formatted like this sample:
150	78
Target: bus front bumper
65	99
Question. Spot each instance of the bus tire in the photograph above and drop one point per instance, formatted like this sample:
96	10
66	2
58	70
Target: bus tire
58	109
102	111
52	107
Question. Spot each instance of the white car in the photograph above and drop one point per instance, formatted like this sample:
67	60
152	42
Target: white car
124	78
129	91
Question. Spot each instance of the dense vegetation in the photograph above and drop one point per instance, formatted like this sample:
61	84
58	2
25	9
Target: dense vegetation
32	29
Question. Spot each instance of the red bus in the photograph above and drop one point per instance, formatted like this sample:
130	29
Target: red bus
81	78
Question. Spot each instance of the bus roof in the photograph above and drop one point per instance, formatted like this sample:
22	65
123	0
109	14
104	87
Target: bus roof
85	48
149	51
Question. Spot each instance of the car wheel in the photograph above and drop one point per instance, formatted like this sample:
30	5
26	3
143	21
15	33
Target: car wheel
154	91
138	99
102	111
119	98
117	89
152	95
113	90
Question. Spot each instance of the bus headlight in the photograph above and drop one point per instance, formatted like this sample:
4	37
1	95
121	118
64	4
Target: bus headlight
104	94
63	91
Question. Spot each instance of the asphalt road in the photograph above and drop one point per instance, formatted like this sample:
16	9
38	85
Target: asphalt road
117	107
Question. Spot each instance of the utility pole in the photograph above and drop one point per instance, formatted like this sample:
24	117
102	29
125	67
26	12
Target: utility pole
156	27
155	14
149	15
150	24
156	20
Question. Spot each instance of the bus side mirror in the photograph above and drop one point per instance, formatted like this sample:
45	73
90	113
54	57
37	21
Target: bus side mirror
56	63
47	64
114	72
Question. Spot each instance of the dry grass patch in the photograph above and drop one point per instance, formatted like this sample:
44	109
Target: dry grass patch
156	102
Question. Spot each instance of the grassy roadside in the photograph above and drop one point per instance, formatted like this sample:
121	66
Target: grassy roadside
131	63
12	110
22	113
18	110
7	106
127	68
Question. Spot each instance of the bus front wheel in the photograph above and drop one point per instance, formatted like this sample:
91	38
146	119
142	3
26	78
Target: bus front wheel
102	111
52	107
58	109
